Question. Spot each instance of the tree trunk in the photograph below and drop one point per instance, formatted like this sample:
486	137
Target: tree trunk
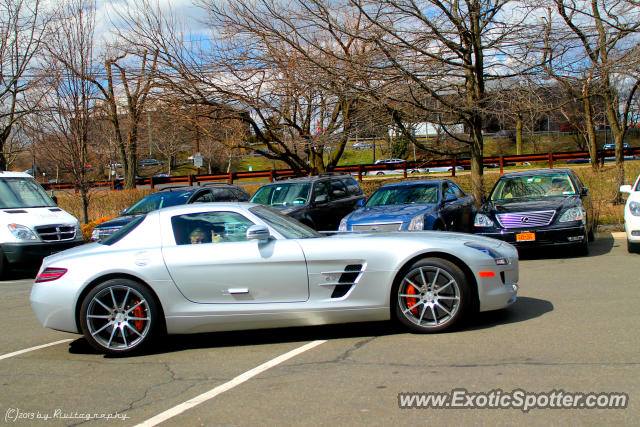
477	168
591	135
519	134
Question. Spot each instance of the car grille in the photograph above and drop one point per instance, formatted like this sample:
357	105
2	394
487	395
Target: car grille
525	219
390	226
56	233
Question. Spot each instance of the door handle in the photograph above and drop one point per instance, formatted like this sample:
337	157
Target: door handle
238	290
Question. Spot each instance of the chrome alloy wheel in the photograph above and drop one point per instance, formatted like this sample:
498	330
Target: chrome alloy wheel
429	297
118	318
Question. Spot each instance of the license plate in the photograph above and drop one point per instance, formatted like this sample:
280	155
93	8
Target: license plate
525	237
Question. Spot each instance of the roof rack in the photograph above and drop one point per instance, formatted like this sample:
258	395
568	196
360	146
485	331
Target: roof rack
181	187
332	173
213	184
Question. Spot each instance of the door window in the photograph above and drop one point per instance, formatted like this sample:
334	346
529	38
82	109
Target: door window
210	227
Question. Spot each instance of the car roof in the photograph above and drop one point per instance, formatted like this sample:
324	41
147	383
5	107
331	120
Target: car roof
11	174
418	181
208	206
527	172
322	176
187	189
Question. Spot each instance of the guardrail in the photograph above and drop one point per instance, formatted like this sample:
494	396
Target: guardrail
360	170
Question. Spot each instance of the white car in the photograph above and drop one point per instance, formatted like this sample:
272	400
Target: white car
255	268
632	215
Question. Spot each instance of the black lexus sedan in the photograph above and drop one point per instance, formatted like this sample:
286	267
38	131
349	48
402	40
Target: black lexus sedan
538	208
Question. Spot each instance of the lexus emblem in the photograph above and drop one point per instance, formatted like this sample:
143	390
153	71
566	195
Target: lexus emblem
524	219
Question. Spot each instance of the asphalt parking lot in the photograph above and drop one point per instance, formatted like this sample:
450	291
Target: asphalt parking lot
574	329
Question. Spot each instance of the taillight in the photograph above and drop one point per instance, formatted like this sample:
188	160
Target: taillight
50	274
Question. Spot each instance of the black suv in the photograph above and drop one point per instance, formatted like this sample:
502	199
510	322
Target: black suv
171	196
317	201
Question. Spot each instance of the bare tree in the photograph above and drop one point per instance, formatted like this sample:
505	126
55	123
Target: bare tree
441	56
64	126
254	72
123	86
22	29
607	34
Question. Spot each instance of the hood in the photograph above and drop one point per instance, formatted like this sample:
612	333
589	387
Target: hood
33	217
434	239
556	203
77	250
118	222
389	213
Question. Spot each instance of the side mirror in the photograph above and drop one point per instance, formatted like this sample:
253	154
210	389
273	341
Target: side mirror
361	203
320	199
449	198
483	199
124	211
625	189
584	191
258	232
55	199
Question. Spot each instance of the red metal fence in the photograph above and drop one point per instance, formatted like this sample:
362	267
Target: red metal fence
360	170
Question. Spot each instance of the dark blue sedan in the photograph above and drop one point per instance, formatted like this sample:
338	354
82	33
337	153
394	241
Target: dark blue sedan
414	205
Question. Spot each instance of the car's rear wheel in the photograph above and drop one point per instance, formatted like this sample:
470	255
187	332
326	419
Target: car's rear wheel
632	247
433	295
119	316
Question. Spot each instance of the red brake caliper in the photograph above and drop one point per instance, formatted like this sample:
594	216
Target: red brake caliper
137	312
412	301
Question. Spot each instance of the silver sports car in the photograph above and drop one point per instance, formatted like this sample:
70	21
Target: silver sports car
230	266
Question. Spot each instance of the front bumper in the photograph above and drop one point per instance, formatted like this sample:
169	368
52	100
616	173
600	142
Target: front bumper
543	236
31	254
632	228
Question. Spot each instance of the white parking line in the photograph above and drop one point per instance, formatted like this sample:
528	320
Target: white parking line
178	409
38	347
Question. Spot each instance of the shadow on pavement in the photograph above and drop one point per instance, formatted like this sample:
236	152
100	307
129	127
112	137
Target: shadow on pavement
522	310
602	245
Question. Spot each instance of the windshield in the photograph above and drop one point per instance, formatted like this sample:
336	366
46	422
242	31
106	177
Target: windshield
404	195
285	225
157	201
23	193
286	194
533	186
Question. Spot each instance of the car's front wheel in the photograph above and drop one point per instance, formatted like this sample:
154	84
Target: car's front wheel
433	295
119	316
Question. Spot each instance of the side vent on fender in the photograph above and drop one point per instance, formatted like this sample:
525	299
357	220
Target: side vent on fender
347	279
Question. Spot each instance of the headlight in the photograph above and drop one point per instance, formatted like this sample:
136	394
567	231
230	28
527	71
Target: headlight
95	234
21	232
417	223
573	214
482	220
634	208
499	259
343	225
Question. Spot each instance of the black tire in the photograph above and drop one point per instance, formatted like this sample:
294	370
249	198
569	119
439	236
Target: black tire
442	299
120	317
582	248
632	248
438	226
591	235
380	173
